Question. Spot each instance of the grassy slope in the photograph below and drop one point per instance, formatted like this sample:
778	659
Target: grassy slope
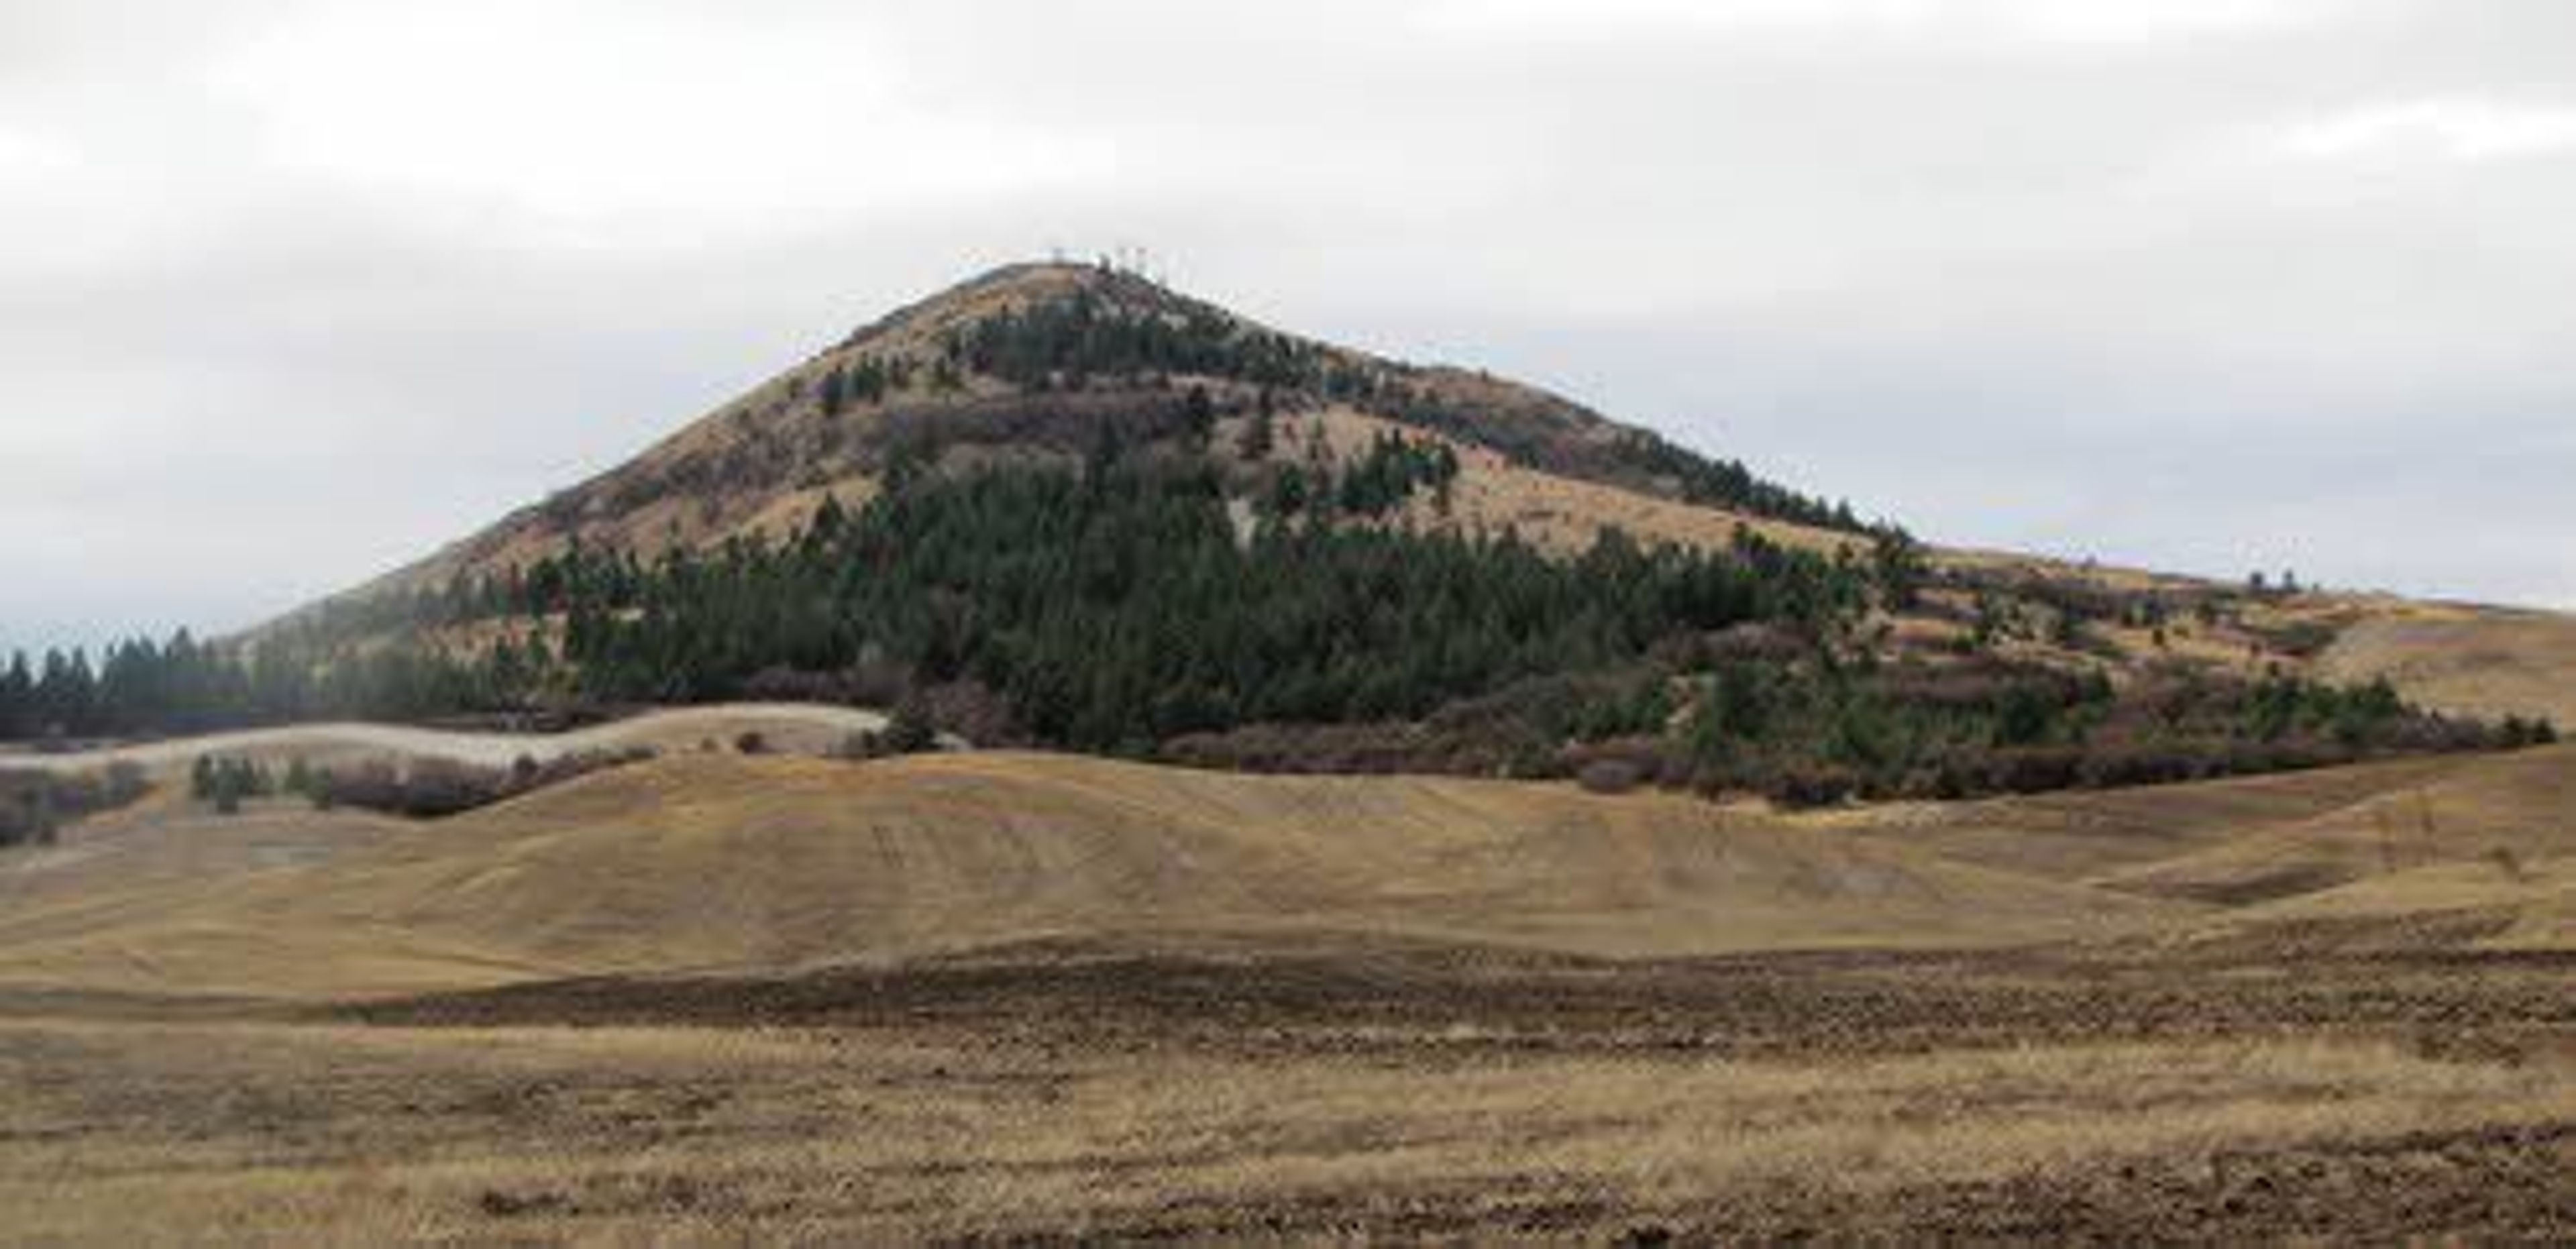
723	862
2519	804
2489	834
2470	660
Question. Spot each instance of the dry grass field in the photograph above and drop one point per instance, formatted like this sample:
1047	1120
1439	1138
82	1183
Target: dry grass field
355	1134
2472	660
717	998
724	863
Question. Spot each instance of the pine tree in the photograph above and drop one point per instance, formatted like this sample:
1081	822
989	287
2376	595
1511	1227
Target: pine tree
909	731
834	391
17	699
1198	415
1897	562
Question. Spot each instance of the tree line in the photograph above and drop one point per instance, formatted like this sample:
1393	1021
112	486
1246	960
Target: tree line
143	688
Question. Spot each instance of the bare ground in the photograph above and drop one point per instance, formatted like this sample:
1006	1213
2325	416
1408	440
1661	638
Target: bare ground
1367	996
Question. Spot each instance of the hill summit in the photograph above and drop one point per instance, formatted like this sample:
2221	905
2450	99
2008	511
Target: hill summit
1029	360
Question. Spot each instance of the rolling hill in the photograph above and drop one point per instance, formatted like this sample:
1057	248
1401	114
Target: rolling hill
721	863
2488	838
716	864
2468	659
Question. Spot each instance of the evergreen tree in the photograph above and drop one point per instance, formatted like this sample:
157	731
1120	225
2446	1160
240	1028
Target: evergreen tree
17	699
1898	565
909	731
834	392
1198	415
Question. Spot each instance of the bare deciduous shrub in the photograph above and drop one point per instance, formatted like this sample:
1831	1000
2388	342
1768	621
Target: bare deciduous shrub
1609	776
35	805
431	788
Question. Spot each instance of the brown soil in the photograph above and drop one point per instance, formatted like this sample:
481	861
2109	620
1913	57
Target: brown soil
2303	1082
2332	978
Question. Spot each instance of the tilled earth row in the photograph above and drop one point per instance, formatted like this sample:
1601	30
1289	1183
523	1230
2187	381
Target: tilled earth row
1359	996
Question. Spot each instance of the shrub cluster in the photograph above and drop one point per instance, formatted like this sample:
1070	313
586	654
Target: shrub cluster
35	805
432	788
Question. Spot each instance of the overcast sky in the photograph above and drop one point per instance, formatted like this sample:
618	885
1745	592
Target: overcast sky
293	292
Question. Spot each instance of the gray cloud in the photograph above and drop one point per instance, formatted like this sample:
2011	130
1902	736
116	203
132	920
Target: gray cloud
291	292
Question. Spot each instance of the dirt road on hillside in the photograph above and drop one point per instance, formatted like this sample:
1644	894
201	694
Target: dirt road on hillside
798	726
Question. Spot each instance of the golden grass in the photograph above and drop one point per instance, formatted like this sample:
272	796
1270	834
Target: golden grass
2476	661
2474	850
732	863
1560	514
2535	897
2521	805
2256	839
301	1133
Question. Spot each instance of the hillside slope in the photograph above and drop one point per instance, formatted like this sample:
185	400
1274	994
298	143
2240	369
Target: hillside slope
761	463
2469	660
2492	833
725	863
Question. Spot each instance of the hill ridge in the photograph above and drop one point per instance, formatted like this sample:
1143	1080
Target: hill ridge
760	462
